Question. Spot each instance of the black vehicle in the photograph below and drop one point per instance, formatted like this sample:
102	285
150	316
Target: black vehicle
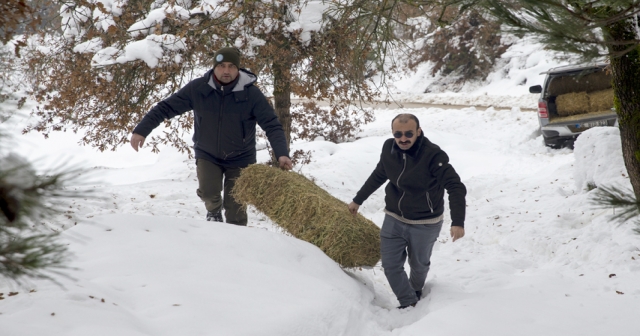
572	100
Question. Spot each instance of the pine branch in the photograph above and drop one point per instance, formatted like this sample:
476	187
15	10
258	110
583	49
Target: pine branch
34	255
623	201
26	199
579	27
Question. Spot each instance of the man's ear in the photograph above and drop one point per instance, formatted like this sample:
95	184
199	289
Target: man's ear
419	131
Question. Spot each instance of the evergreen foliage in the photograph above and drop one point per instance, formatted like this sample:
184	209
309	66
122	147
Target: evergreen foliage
460	38
580	27
26	198
622	201
27	248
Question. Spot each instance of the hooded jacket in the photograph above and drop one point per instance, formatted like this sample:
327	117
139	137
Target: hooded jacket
417	178
225	119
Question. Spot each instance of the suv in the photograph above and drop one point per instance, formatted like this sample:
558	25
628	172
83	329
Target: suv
572	100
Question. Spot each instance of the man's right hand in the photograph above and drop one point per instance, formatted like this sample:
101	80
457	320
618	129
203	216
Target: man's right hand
457	232
137	141
353	208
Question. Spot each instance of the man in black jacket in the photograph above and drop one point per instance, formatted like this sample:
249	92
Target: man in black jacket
418	172
226	107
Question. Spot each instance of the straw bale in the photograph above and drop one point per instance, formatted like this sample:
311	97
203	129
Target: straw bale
310	213
601	100
572	103
594	81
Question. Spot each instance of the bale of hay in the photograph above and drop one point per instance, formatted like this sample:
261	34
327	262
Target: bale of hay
310	213
572	103
594	81
601	100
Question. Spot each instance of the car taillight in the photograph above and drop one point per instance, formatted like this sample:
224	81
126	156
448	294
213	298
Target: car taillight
542	110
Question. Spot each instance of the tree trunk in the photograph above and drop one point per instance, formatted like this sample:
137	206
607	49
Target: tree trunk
626	86
281	70
282	96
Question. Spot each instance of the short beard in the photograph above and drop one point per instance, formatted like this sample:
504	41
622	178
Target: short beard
221	82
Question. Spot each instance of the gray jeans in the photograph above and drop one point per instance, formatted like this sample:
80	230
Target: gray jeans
399	240
210	185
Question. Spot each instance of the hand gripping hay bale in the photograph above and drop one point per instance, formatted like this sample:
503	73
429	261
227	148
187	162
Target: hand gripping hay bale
572	103
310	213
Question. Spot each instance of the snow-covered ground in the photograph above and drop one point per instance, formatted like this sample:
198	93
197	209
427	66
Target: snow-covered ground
537	258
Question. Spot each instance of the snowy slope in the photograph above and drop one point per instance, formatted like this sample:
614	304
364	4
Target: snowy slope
536	259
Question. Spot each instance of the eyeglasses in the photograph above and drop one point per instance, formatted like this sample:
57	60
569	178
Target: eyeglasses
398	134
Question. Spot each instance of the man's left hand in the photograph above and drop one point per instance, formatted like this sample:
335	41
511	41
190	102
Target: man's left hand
285	163
457	232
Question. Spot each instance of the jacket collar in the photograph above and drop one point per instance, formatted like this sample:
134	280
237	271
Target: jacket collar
228	88
244	79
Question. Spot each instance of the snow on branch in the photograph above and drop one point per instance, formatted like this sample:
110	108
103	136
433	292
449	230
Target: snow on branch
151	50
156	17
72	20
105	11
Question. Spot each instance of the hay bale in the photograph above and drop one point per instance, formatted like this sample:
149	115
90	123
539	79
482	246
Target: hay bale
572	103
601	100
594	81
310	213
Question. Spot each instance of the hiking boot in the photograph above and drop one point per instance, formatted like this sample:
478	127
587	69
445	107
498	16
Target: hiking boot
214	217
407	306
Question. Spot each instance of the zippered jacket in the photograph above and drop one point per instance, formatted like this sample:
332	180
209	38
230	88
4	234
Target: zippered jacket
224	122
417	178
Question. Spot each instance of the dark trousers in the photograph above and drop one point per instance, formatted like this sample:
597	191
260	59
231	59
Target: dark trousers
213	179
399	240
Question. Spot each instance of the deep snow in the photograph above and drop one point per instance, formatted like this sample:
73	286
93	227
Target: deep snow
537	258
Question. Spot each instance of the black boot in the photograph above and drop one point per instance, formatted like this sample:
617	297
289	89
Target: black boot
407	306
214	217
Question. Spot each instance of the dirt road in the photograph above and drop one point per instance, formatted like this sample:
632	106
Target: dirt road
397	105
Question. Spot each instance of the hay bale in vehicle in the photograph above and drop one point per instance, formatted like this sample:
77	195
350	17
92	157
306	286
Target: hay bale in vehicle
595	81
572	103
310	213
601	100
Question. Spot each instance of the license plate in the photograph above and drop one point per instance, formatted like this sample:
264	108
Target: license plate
594	124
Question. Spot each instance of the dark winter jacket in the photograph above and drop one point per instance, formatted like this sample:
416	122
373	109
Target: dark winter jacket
225	119
417	180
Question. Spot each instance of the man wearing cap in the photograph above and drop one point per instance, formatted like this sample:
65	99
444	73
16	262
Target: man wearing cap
418	172
226	106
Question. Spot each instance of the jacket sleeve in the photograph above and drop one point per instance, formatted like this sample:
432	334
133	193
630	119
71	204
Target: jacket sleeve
450	180
377	178
176	104
268	121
